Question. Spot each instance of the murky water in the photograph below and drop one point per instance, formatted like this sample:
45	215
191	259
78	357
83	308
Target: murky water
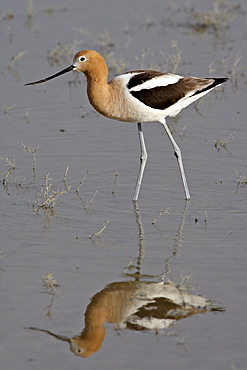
162	283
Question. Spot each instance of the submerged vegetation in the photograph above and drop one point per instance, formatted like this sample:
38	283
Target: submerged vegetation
40	191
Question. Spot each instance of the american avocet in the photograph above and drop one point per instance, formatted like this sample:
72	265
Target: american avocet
139	96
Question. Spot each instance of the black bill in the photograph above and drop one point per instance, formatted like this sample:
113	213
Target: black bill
68	69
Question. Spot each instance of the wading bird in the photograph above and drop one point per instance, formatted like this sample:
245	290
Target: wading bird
139	96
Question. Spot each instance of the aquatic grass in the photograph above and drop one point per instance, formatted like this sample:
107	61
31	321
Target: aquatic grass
26	114
161	62
11	164
162	212
103	41
241	179
49	284
62	54
46	198
11	65
51	287
222	143
87	203
219	18
98	234
33	151
6	109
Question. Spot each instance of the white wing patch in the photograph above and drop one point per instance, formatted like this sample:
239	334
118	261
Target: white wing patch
163	80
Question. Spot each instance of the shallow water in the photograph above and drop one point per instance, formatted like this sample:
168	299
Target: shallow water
198	246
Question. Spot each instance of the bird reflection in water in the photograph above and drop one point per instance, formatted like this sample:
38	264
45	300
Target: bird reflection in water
136	305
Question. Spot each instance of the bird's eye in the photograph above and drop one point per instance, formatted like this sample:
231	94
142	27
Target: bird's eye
82	59
78	351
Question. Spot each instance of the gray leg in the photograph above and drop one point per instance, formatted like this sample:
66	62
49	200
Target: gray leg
178	155
143	160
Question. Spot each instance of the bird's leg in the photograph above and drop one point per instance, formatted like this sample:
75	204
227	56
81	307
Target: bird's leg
143	160
178	155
